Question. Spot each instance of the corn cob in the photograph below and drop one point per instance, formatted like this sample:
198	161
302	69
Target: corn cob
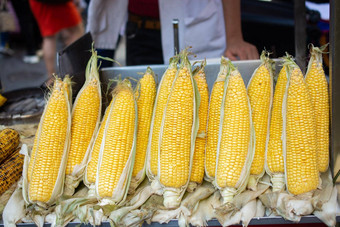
299	135
235	151
318	89
260	92
160	103
48	162
86	114
197	171
117	151
274	155
178	134
214	114
67	83
10	170
9	141
91	168
145	102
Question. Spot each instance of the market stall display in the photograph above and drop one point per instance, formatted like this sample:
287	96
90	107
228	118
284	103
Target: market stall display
244	127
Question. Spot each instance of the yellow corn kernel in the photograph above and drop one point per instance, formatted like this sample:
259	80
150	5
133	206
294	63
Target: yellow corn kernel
318	89
236	131
51	145
33	153
301	167
84	120
175	149
161	100
117	142
145	105
274	153
197	171
260	92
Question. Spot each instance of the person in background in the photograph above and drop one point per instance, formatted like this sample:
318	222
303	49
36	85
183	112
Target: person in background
53	19
29	29
211	27
105	21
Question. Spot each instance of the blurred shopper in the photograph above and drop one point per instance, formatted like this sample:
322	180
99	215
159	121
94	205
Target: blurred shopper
106	20
211	27
29	30
54	17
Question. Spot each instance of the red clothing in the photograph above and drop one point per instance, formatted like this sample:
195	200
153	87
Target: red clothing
144	8
52	18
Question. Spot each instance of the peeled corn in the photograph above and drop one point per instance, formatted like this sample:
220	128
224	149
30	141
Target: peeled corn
318	89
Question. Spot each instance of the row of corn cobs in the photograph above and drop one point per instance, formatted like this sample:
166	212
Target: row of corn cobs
178	138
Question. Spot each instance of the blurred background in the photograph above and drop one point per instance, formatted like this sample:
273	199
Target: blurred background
268	24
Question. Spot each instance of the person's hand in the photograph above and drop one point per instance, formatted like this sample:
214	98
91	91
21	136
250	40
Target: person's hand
240	50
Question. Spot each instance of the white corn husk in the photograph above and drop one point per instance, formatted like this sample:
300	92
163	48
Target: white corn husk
173	196
72	180
58	187
222	75
253	179
14	210
187	207
205	210
228	193
6	196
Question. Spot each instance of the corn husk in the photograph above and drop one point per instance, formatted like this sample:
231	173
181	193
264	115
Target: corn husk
14	210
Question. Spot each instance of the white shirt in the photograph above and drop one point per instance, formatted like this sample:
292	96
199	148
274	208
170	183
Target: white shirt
201	25
106	19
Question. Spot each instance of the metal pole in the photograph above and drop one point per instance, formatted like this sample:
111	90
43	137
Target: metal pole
335	85
176	39
300	33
